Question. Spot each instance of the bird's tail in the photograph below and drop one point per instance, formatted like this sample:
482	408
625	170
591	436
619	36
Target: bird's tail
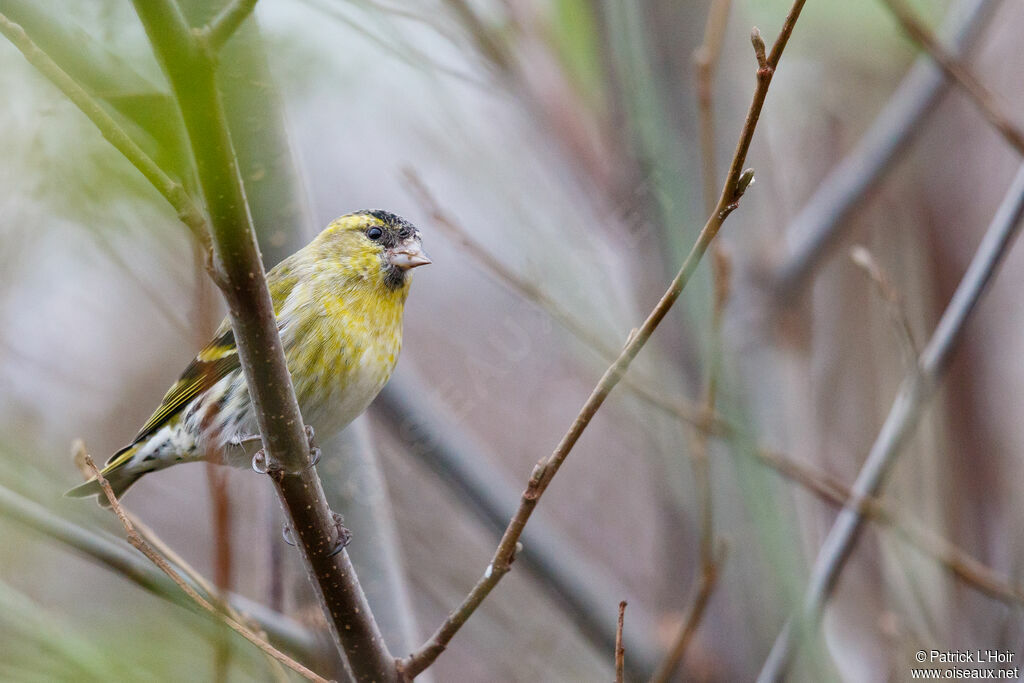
118	473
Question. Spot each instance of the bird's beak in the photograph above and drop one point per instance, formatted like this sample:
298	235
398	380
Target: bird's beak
408	254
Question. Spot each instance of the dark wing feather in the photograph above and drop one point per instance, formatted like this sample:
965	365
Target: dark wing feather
217	359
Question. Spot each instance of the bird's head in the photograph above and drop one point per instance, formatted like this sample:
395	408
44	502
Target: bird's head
375	246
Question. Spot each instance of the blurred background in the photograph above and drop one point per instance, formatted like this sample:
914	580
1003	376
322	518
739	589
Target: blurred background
550	152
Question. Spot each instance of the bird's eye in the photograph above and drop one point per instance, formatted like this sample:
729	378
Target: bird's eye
374	233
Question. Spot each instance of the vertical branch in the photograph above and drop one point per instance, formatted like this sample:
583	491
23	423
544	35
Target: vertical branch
701	593
189	64
620	651
706	60
917	388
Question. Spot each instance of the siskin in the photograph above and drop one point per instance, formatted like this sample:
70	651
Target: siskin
339	304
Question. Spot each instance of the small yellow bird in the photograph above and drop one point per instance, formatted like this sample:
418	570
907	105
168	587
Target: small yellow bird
339	304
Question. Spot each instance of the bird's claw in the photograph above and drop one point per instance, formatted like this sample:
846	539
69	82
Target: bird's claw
286	534
260	462
344	536
314	451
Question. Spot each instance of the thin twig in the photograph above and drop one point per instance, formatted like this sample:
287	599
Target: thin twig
534	293
917	388
986	101
706	61
188	212
120	559
545	470
146	549
217	597
433	436
890	295
620	651
223	26
821	222
701	592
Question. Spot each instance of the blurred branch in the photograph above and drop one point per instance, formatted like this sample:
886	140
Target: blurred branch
890	295
224	25
115	556
706	61
700	594
822	220
191	72
487	41
354	485
620	651
217	596
545	470
405	52
953	559
577	585
147	109
983	98
917	388
539	297
146	549
188	212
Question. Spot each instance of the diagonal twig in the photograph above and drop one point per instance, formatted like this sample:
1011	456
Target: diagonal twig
224	25
545	470
917	388
217	597
984	99
434	437
821	222
156	558
953	559
540	297
116	556
188	212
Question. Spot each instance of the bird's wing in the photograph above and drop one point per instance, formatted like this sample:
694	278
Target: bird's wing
217	359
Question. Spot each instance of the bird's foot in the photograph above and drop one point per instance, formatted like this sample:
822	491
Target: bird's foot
344	536
314	450
261	464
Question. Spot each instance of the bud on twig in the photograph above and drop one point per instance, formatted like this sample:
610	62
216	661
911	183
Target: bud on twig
745	180
759	51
